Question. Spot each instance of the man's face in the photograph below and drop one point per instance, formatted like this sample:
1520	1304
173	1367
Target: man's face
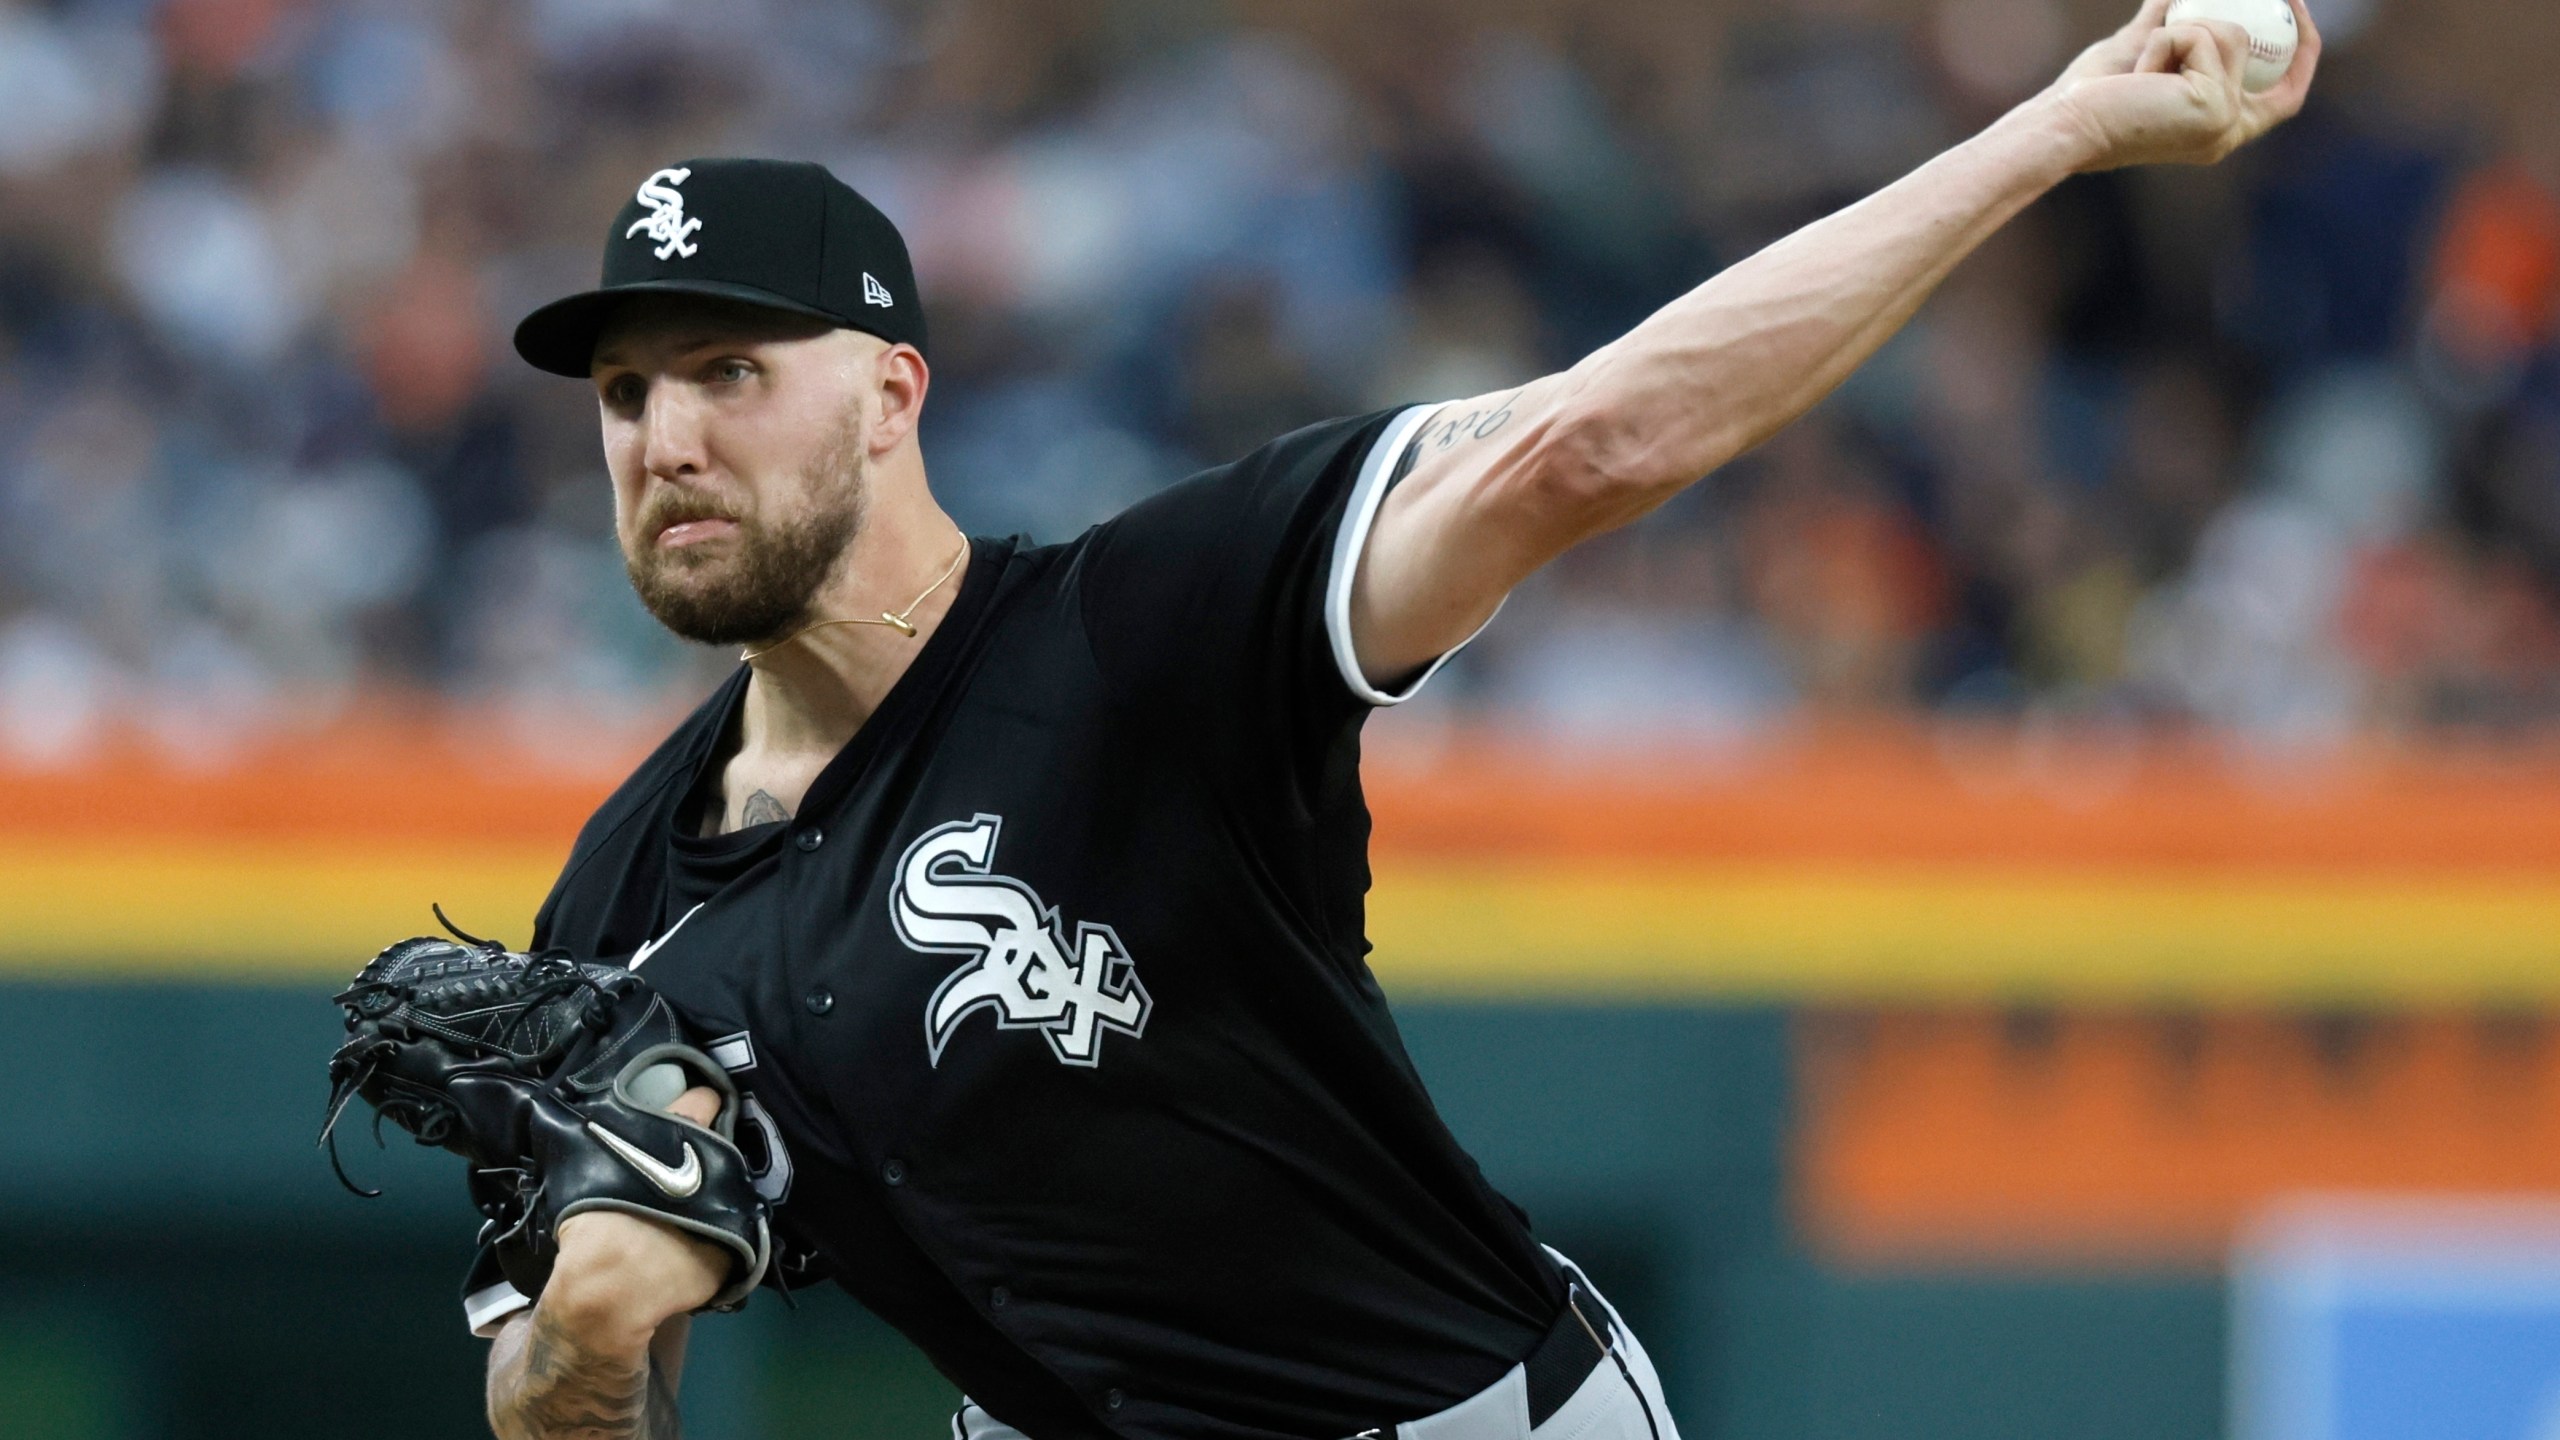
735	437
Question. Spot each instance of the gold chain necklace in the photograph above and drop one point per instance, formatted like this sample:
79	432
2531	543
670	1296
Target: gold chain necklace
898	622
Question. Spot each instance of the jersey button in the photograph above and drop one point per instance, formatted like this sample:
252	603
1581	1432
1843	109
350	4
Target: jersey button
999	1297
893	1172
810	839
1113	1400
821	1000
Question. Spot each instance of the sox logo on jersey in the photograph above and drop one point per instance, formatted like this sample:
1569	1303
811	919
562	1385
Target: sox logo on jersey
949	901
666	221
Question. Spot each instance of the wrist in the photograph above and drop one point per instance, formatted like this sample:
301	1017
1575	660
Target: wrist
600	1310
2053	135
597	1323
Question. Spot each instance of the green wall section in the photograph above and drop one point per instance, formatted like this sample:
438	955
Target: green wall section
1974	1357
65	1368
176	1261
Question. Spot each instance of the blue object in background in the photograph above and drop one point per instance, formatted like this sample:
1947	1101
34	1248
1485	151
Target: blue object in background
2398	1319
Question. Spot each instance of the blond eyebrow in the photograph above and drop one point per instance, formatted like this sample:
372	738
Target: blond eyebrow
687	344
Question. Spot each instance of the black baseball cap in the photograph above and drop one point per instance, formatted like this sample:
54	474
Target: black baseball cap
782	233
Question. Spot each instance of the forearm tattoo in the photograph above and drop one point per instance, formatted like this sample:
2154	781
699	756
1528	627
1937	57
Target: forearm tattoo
560	1390
1477	424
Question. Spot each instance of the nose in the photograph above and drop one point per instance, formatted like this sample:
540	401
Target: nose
671	445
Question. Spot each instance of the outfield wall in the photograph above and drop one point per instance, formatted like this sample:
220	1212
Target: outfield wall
1898	1083
179	1261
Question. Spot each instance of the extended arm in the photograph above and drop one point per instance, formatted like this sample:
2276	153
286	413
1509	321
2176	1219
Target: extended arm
1507	482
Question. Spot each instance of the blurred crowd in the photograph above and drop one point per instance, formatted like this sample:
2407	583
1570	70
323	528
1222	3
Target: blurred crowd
2272	448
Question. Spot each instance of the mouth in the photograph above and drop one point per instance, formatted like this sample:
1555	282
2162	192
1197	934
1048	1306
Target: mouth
682	533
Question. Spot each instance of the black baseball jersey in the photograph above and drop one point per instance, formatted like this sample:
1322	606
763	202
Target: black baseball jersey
1052	1000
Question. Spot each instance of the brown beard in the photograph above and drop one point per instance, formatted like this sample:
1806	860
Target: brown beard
774	569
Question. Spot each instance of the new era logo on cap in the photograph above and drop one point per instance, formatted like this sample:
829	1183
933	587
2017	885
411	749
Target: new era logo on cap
778	233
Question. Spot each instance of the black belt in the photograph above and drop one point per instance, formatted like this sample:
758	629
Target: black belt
1573	1347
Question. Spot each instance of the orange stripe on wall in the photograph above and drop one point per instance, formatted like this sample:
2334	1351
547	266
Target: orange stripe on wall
464	779
1954	1137
1882	796
1875	866
1899	796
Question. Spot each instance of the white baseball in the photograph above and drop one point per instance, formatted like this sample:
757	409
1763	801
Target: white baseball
657	1086
2272	33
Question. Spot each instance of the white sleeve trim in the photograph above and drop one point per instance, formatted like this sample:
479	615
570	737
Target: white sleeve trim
485	1309
1368	492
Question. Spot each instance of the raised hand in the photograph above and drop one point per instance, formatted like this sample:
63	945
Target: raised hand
2160	94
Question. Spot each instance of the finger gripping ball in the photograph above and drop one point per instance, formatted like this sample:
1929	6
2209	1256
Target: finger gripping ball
2272	33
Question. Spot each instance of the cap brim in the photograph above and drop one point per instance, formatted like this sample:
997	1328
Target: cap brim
561	336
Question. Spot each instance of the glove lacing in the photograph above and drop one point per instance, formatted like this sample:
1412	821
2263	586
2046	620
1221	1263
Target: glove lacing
546	977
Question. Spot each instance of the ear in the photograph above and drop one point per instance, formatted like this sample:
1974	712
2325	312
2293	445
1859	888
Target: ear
900	380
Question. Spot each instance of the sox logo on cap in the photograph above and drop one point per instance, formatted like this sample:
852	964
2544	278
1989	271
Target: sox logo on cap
666	221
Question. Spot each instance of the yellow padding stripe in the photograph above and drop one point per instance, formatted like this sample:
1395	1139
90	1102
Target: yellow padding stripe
1859	935
1854	935
264	911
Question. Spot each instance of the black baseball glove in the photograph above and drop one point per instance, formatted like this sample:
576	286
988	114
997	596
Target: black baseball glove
550	1077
